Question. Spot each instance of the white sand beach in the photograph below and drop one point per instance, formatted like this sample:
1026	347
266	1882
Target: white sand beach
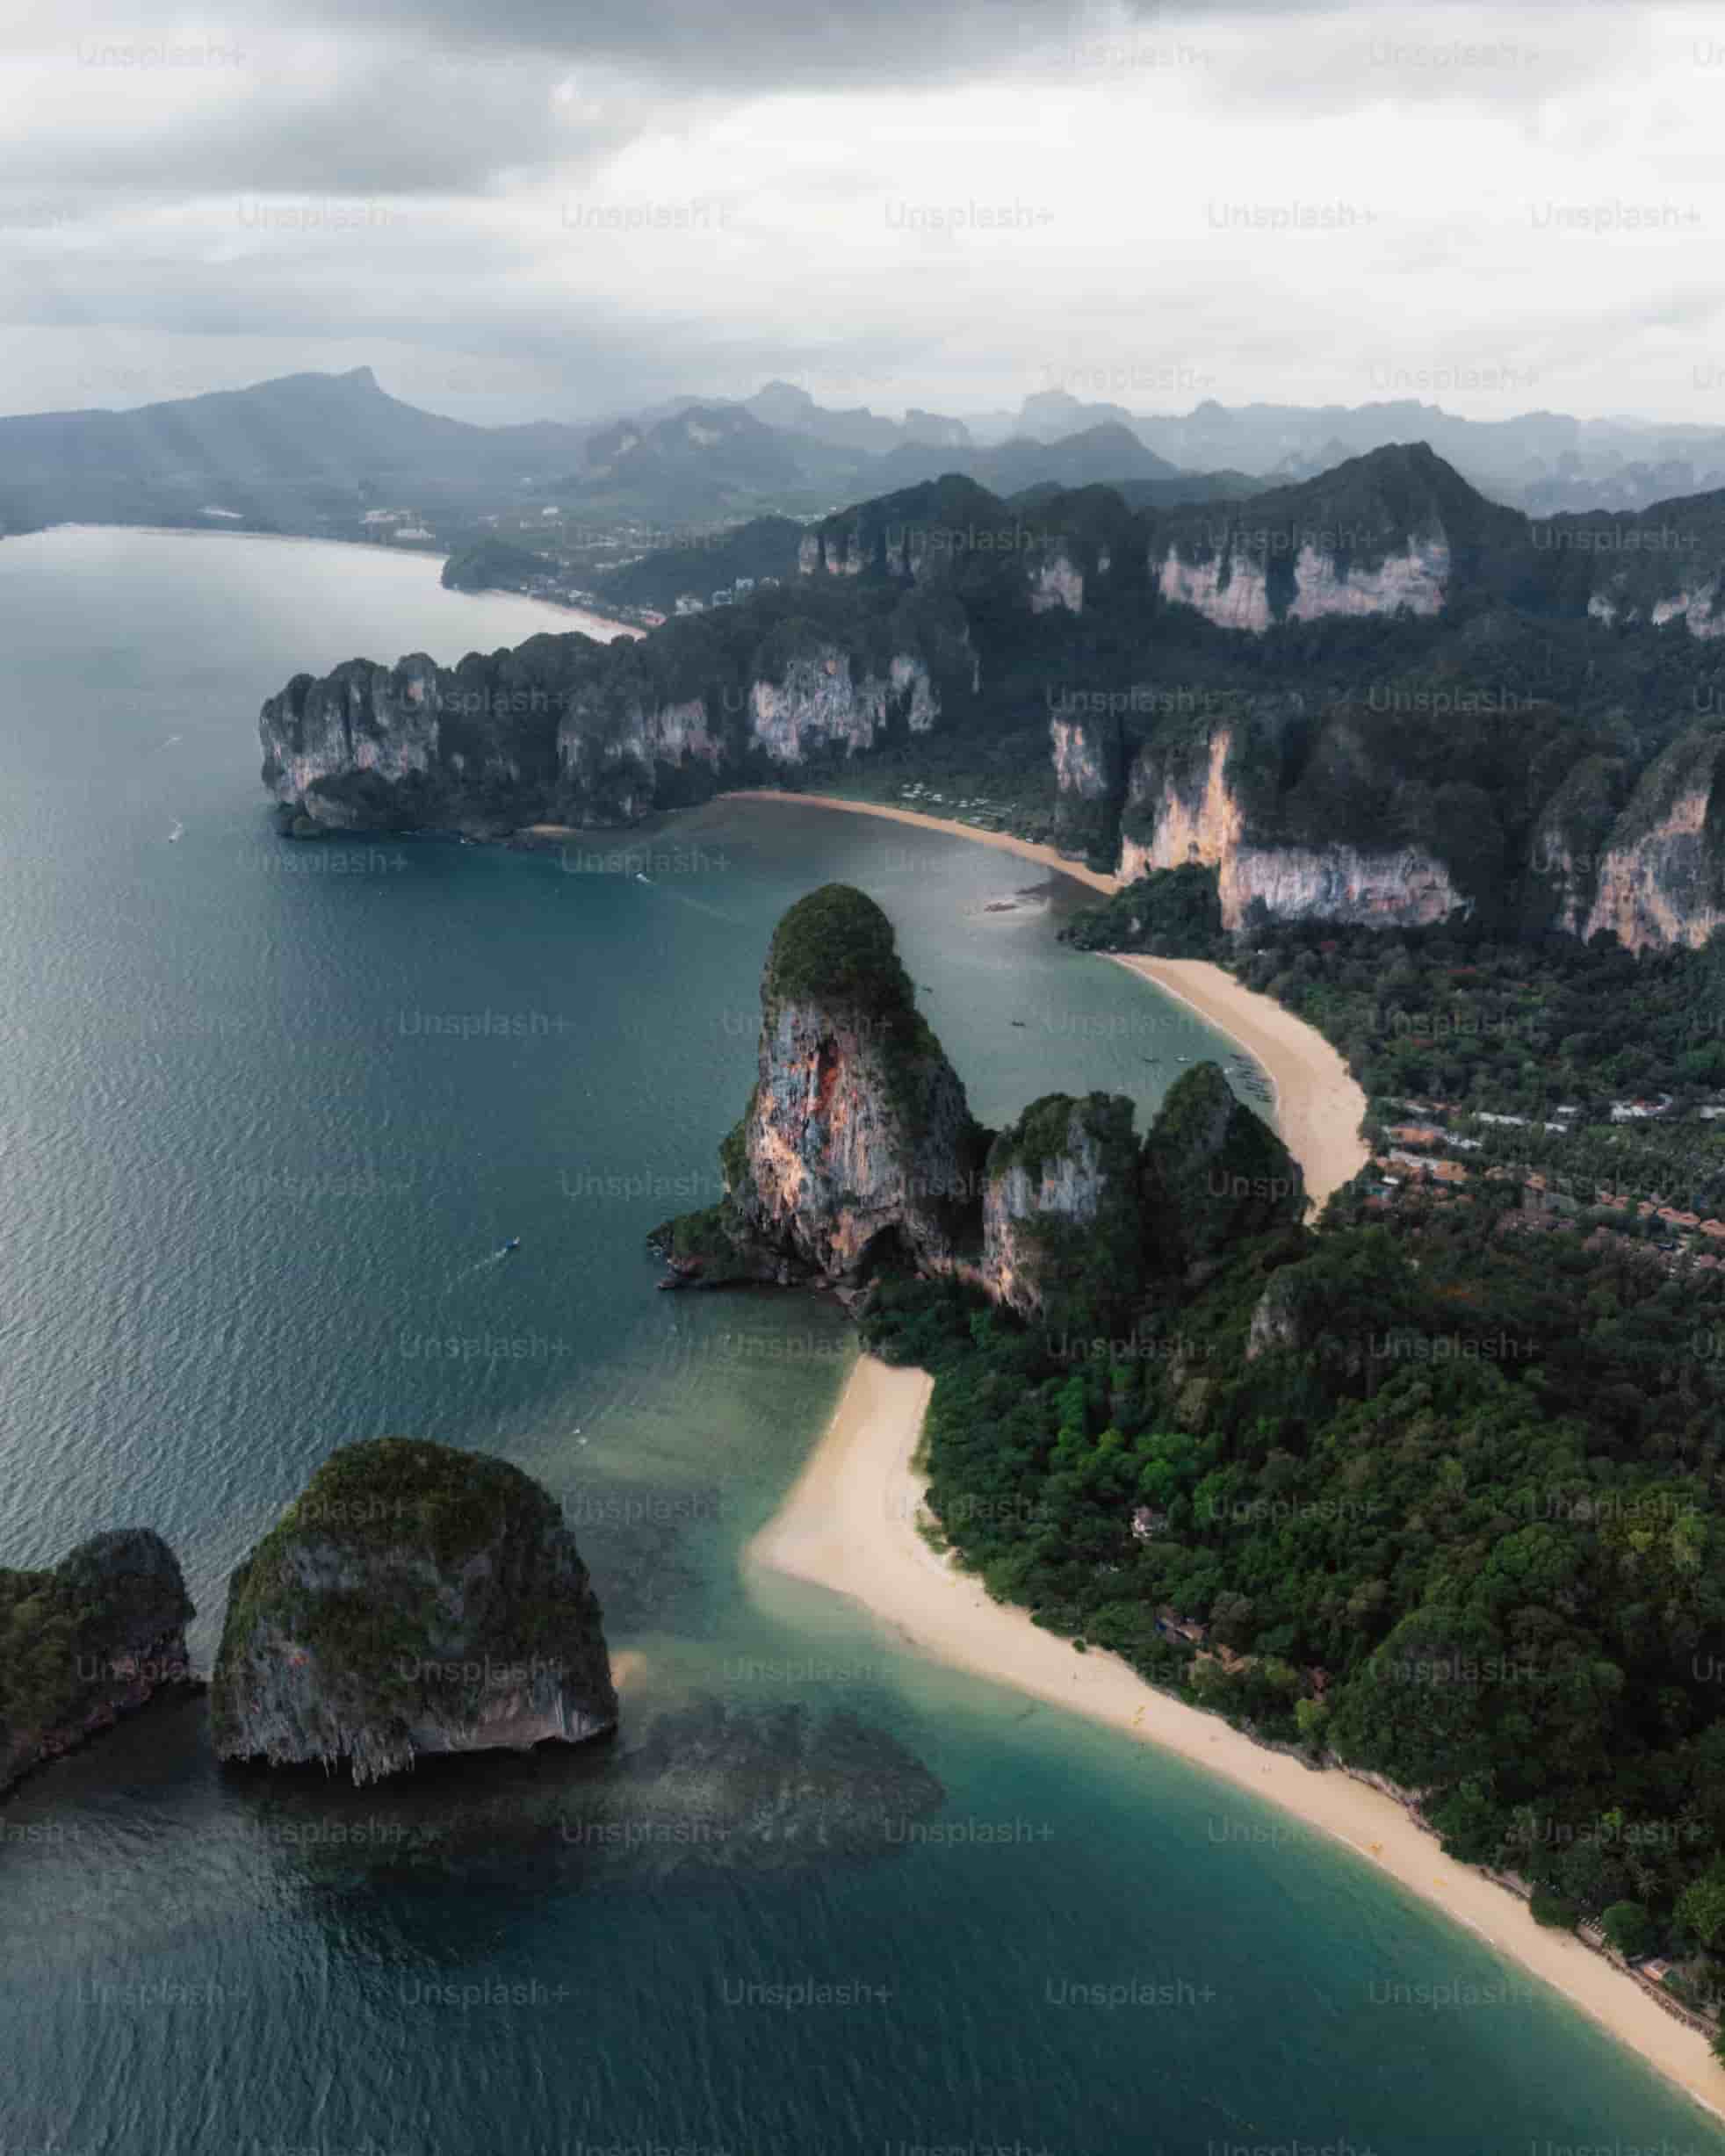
1044	856
1319	1106
849	1525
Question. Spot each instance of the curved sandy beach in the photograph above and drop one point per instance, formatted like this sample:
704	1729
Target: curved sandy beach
1319	1106
848	1524
1044	856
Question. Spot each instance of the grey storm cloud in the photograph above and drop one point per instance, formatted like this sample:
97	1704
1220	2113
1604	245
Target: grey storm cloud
430	181
236	125
676	44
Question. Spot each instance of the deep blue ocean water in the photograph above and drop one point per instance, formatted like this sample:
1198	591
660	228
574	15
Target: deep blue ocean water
267	1111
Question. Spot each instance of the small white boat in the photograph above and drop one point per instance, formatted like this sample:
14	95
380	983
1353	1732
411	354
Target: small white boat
176	834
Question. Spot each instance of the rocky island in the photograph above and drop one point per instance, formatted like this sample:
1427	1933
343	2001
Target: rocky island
415	1599
86	1641
858	1152
858	1136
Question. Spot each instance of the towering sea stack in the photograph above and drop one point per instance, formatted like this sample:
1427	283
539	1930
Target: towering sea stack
858	1141
858	1148
1213	1172
415	1599
1060	1211
85	1642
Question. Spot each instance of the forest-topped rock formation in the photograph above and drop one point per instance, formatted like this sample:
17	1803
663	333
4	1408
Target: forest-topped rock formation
86	1640
413	1599
567	730
857	1135
857	1151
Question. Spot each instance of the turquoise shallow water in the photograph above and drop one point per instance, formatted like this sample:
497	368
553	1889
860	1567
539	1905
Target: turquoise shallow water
265	1112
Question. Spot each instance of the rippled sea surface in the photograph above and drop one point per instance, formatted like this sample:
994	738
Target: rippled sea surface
266	1110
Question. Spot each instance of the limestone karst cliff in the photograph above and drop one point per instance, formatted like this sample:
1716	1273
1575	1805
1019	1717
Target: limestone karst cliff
1374	698
857	1139
857	1150
1208	799
1061	1211
1395	531
567	730
1661	878
1090	775
413	1599
86	1641
951	532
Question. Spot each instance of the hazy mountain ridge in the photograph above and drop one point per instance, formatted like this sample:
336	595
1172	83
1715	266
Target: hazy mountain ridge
313	452
1540	461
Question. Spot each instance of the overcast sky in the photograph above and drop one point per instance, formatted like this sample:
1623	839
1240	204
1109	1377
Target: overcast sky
561	207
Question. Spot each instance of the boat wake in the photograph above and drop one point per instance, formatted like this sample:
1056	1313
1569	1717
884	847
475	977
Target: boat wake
484	1264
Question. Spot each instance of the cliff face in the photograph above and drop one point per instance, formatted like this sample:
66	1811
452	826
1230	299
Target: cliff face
858	1130
1661	876
816	705
1057	580
1567	849
858	1139
373	747
414	1600
85	1642
1395	530
1090	783
1183	805
1650	874
1699	609
1060	1207
566	729
950	531
1666	564
1239	586
1404	887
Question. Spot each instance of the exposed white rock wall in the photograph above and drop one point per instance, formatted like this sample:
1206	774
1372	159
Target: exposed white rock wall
818	704
1645	890
1416	579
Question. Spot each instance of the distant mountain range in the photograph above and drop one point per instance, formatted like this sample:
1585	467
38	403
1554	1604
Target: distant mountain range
1538	461
314	453
299	454
1543	462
